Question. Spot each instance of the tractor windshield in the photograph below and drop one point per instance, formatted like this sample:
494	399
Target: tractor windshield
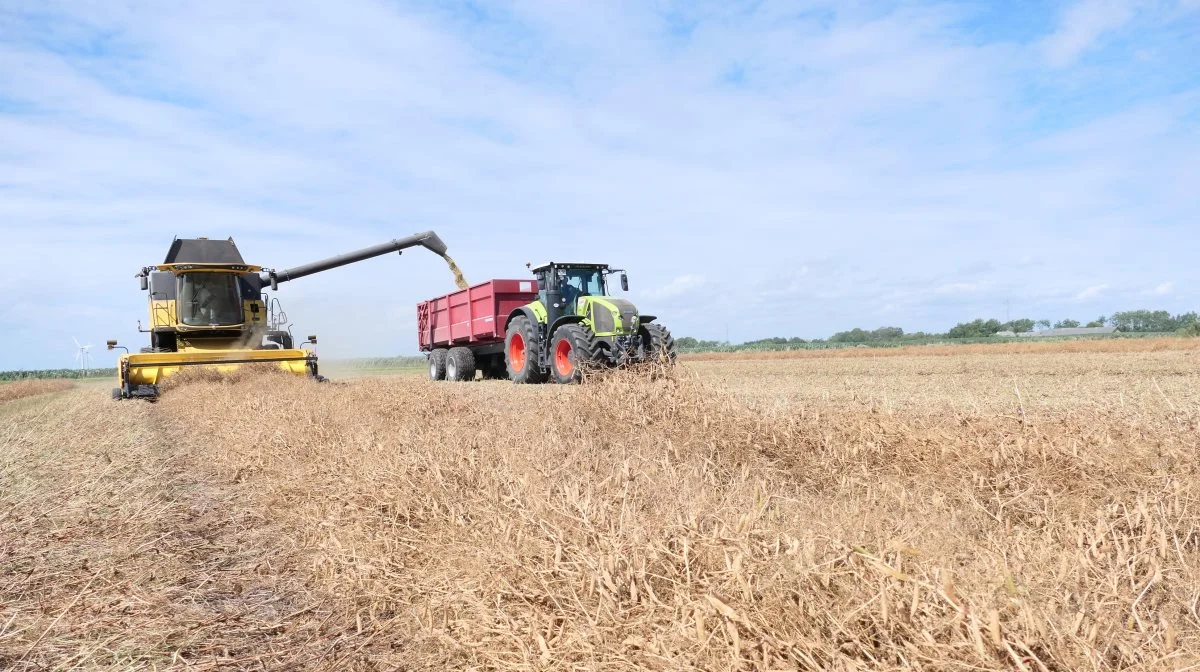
585	282
209	299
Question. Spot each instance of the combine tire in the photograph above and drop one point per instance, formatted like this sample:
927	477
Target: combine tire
521	346
572	350
460	365
437	364
658	345
117	393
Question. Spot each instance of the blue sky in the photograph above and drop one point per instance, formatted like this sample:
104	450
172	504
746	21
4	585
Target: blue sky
766	168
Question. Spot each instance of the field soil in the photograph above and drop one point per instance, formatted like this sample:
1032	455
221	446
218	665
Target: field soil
983	510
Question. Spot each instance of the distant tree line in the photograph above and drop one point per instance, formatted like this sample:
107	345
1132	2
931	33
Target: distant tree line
1129	321
6	376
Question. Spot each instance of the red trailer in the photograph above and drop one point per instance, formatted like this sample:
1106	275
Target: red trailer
464	331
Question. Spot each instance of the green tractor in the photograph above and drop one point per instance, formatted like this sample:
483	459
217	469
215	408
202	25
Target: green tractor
575	324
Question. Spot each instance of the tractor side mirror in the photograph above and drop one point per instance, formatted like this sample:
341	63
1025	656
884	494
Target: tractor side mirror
144	282
312	339
112	343
625	282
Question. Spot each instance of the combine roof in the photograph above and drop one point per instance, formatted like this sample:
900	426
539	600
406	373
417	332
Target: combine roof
203	251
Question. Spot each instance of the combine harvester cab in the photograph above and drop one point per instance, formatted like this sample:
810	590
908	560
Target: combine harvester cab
550	327
208	309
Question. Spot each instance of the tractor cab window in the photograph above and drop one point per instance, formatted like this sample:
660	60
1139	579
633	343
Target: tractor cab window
209	299
577	282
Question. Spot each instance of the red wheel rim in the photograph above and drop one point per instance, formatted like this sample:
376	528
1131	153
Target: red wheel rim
516	352
562	358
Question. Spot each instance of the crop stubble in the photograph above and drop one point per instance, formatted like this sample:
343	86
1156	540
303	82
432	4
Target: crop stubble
844	513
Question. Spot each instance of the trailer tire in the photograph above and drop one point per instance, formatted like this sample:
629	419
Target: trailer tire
460	364
658	346
437	364
521	348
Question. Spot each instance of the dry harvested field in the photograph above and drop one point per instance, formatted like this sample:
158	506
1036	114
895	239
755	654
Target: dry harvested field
983	509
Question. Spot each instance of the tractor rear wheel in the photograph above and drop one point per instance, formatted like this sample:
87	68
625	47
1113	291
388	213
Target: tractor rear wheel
437	364
658	345
460	364
521	347
572	349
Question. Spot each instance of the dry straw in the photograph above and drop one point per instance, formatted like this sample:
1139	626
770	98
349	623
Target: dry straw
637	522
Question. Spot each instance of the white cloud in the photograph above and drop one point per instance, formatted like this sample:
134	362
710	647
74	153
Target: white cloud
887	149
958	288
1091	292
1082	25
679	286
1161	290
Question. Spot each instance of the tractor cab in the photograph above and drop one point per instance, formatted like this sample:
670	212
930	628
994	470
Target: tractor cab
570	282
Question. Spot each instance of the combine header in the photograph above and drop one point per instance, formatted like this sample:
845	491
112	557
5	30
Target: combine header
208	309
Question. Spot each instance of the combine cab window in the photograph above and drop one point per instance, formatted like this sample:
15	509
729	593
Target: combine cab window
209	299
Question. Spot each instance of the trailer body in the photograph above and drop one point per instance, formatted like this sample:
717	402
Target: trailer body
474	317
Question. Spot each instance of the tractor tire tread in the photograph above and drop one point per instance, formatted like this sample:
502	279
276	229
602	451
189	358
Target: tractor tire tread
532	374
659	343
583	344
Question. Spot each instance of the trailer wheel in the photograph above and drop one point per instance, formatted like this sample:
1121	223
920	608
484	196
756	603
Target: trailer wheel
460	364
521	347
437	364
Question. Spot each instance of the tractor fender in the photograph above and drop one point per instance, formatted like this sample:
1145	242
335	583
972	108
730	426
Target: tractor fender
647	319
565	319
523	310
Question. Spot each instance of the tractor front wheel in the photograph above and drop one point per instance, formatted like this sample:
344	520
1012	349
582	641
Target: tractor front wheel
572	349
658	345
521	346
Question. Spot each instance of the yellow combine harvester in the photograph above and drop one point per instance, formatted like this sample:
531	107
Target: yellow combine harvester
208	309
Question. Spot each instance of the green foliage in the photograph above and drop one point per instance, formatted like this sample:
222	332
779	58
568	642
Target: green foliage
1018	326
1151	321
863	336
975	329
8	376
689	344
1066	324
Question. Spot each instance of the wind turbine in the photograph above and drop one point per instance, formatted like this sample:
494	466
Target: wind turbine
83	355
